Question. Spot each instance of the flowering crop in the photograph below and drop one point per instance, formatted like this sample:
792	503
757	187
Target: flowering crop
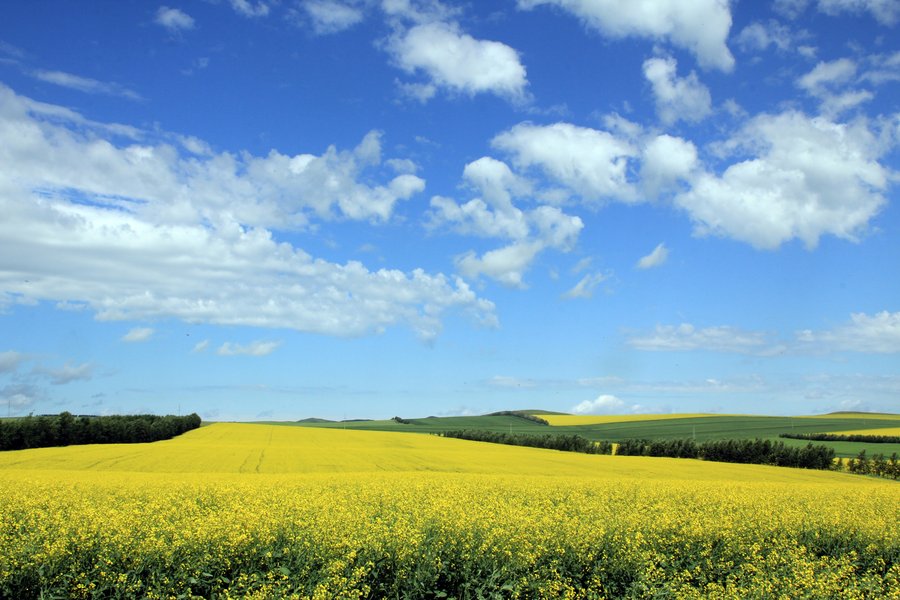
390	520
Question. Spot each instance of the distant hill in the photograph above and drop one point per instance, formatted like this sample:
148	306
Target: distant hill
315	420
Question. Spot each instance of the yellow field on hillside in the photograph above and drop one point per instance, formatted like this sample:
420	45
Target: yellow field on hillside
563	420
879	431
860	415
272	449
267	511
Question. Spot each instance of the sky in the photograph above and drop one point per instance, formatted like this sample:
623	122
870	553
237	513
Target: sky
279	209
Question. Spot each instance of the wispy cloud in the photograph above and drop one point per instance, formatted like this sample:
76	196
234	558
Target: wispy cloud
255	348
138	334
10	361
173	19
69	373
84	84
585	287
656	258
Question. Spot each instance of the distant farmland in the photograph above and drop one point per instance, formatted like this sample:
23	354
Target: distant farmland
621	427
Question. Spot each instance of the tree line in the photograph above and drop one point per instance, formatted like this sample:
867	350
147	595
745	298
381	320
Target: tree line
876	465
66	429
566	443
761	452
838	437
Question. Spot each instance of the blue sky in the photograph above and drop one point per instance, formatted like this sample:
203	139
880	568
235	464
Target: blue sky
356	208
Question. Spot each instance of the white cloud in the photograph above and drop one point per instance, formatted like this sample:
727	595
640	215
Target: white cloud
69	373
592	163
494	214
249	9
506	265
667	160
878	333
138	334
886	12
255	348
20	396
700	26
759	36
655	259
790	8
173	19
138	232
604	404
454	60
824	81
10	361
585	286
828	74
677	338
419	11
330	16
677	98
200	347
84	84
809	177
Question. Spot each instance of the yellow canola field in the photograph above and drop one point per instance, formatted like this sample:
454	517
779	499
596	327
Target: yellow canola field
254	511
564	420
879	431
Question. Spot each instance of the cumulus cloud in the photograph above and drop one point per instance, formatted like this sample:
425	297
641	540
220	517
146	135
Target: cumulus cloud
84	84
666	162
138	334
590	162
677	98
655	259
137	231
877	334
331	16
808	177
494	214
699	26
255	348
453	60
173	19
200	346
604	404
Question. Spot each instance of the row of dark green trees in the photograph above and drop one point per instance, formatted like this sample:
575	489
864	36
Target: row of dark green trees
566	443
760	452
66	429
877	464
840	437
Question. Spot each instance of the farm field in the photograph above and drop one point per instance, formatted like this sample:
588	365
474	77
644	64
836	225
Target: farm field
619	427
265	511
